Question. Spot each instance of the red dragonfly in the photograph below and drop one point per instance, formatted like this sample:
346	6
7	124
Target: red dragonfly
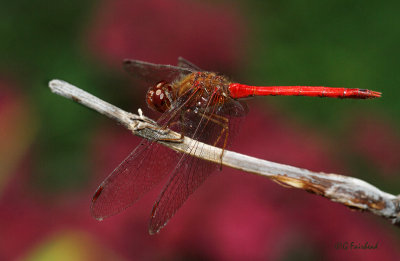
198	104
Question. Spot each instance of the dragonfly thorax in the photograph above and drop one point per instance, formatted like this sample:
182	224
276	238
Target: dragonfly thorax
207	81
201	89
197	87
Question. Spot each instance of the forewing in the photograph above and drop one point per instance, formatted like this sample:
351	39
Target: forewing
153	73
146	166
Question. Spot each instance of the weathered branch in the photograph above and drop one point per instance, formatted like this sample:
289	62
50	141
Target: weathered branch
352	192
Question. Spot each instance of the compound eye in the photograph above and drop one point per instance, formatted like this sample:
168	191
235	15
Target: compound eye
159	96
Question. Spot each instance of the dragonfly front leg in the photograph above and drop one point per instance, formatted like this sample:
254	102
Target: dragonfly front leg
167	130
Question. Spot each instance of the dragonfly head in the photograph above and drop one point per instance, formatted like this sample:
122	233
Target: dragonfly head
160	96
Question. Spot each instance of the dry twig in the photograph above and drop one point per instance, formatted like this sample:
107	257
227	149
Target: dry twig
352	192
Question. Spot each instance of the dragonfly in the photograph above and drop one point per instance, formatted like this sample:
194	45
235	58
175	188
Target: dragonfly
204	106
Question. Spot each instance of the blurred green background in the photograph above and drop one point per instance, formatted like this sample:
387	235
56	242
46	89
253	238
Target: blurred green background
352	44
340	43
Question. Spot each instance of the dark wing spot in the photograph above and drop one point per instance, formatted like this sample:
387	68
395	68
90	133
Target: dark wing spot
97	194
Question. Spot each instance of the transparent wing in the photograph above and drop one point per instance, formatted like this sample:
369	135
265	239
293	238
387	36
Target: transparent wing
187	177
153	73
214	126
146	166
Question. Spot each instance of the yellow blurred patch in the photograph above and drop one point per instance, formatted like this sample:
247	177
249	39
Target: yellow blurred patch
68	246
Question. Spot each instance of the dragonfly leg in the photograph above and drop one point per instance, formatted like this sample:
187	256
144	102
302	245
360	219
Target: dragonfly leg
224	134
166	131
